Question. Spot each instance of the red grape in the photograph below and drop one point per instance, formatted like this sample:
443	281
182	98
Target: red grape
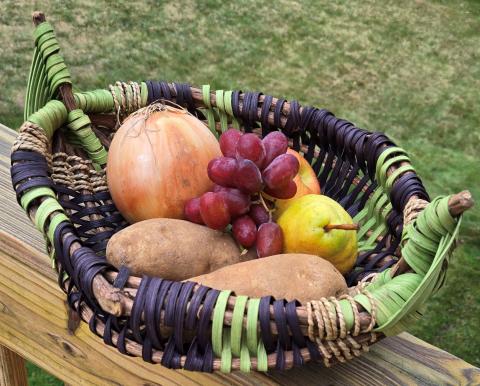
269	240
221	170
192	211
283	193
218	188
275	143
214	210
250	147
281	171
237	201
245	231
259	214
248	177
228	142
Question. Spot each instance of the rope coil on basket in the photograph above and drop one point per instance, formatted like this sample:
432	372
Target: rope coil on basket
324	331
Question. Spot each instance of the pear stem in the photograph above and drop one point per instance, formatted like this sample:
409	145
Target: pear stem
345	227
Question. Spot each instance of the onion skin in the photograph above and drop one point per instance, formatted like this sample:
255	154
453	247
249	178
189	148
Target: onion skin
157	161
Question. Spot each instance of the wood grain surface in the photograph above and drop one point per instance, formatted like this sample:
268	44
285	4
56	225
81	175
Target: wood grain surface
33	323
12	368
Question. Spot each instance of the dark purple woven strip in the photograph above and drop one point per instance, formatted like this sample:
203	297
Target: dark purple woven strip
92	325
264	318
147	350
149	92
196	301
194	361
208	359
151	319
313	350
121	340
293	118
203	331
281	323
166	94
180	309
236	104
137	309
33	183
277	113
280	358
23	155
107	332
122	277
171	302
267	103
297	356
23	171
293	323
171	358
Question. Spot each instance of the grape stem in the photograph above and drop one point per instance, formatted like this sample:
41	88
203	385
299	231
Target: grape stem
345	227
262	201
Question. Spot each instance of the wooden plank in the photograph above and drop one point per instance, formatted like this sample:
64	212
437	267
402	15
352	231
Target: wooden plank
12	368
13	219
33	323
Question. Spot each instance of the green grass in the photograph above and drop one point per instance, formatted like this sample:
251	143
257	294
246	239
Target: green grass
409	68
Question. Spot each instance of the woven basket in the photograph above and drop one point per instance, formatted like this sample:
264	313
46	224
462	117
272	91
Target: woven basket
58	172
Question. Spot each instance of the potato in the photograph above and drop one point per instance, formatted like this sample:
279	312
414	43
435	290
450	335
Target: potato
287	276
172	249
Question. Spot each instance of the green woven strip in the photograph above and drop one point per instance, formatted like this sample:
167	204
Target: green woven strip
217	323
252	325
50	117
45	209
54	222
143	93
98	101
57	71
387	165
399	299
209	110
34	193
206	96
221	110
391	179
347	312
388	152
226	356
262	357
227	102
245	363
237	324
79	123
36	88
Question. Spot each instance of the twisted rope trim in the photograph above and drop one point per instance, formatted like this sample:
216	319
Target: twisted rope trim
130	99
413	209
327	327
32	137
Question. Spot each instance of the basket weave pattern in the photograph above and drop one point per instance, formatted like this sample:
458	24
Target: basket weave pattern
58	172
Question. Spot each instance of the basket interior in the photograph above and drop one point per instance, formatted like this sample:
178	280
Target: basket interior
342	176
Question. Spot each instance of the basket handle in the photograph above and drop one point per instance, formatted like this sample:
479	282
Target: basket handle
457	205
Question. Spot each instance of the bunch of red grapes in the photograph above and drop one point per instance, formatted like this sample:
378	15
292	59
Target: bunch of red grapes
250	166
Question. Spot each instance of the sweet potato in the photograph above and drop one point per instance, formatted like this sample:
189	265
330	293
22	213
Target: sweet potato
172	249
289	276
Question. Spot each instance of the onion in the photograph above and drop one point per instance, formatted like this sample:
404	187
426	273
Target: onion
157	161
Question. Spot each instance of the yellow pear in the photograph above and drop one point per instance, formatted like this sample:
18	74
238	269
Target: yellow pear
317	225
